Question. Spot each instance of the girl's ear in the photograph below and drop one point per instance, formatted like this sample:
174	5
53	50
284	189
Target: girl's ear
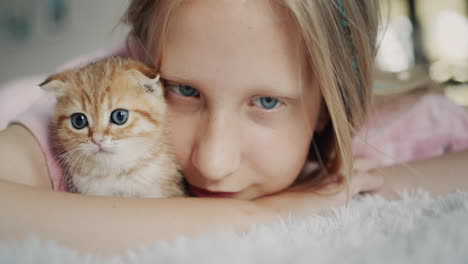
323	118
55	84
147	78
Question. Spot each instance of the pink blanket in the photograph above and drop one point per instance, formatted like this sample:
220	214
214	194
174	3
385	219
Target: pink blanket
412	128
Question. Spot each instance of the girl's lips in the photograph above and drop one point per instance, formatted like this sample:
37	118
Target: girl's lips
205	193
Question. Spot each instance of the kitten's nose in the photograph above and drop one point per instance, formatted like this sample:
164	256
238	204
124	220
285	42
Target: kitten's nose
96	139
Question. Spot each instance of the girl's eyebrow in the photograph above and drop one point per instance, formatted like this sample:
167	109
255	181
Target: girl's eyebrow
174	78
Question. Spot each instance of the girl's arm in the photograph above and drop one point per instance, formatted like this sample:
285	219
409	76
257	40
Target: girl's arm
21	159
110	225
439	175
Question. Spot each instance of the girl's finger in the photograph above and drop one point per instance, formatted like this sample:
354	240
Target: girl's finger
365	182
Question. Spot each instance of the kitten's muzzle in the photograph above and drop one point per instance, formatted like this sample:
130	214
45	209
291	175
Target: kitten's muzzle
99	142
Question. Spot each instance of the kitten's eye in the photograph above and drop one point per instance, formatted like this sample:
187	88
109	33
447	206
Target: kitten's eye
185	90
119	116
79	121
266	102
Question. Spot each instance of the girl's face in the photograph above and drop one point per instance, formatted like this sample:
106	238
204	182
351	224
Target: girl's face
241	116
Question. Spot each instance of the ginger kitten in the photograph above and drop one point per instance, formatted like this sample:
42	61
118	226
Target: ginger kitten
108	130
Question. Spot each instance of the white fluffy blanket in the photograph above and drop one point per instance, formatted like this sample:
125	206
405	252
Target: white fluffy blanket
415	229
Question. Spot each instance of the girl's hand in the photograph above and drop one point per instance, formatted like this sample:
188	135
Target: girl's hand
306	199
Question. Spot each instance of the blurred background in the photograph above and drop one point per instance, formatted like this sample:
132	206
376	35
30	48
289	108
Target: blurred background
421	42
36	36
424	44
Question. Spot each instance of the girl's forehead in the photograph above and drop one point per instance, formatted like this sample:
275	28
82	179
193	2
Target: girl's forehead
220	40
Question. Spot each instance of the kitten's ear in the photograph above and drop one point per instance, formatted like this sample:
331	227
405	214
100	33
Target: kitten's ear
148	79
54	84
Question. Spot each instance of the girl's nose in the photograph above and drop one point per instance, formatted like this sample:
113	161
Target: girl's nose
217	153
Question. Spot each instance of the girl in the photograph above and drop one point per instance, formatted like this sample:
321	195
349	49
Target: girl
256	89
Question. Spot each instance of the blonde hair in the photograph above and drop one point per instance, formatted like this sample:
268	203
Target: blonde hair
340	41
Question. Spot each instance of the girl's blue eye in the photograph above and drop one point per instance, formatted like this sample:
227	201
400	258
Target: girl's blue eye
119	116
185	90
266	102
79	120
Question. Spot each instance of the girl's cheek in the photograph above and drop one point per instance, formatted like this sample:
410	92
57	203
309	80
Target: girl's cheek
182	130
281	141
275	157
